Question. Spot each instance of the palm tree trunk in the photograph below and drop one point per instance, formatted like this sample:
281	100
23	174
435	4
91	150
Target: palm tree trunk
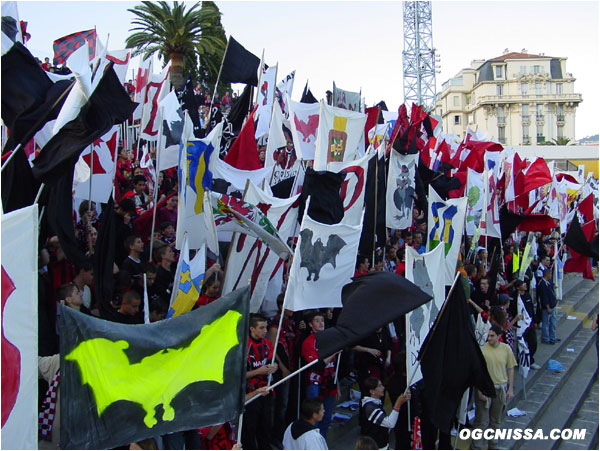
177	79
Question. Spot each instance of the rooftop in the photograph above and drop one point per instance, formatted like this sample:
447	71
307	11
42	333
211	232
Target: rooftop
518	55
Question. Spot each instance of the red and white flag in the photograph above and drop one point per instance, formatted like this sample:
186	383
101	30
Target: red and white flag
304	122
19	332
120	59
264	100
142	78
104	164
156	90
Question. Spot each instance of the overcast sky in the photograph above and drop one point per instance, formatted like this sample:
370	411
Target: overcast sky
359	44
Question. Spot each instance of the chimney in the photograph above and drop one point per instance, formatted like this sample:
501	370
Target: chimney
506	51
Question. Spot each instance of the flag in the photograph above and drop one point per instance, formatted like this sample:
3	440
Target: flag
276	153
338	136
157	89
347	100
374	233
307	95
304	121
239	65
252	263
586	208
423	271
451	362
172	131
582	248
104	260
189	104
400	190
109	105
103	157
323	263
324	188
12	31
243	153
353	188
196	174
120	59
283	91
193	366
389	294
491	219
234	215
445	223
264	100
19	328
371	125
537	174
529	253
142	78
524	358
474	193
29	97
65	46
188	280
19	188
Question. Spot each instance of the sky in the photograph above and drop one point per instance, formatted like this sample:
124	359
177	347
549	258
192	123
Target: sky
359	44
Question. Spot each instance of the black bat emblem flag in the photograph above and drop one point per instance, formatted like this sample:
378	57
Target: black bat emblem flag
314	256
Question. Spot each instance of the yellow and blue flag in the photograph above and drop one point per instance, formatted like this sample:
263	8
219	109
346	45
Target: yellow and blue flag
188	280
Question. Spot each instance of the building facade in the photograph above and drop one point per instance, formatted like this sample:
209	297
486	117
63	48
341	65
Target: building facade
518	98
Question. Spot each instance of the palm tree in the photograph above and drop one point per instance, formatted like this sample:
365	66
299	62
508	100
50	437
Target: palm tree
177	34
562	141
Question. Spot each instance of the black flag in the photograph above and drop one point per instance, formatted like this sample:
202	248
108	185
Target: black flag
239	65
124	383
451	362
388	294
307	96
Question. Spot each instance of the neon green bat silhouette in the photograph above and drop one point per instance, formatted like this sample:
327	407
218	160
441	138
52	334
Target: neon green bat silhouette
158	378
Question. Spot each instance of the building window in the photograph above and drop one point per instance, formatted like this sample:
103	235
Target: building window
539	115
501	116
524	89
502	135
525	134
498	71
456	100
537	69
560	113
468	99
457	119
559	88
525	113
540	133
560	131
538	89
523	70
498	90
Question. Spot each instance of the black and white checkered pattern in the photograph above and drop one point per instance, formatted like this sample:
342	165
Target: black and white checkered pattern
46	418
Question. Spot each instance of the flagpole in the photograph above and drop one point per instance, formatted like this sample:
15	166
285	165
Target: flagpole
146	303
337	369
298	371
160	130
239	432
90	196
39	193
217	82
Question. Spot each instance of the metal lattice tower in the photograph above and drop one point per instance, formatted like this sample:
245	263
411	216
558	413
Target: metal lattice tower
418	57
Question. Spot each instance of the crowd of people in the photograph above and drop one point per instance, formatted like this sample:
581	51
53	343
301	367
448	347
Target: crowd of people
297	414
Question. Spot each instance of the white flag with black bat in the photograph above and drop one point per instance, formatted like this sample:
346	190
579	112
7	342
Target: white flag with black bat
324	262
524	358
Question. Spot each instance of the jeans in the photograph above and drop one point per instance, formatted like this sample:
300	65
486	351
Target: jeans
548	325
312	391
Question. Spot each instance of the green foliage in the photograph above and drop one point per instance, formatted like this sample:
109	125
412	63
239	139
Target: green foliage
208	69
175	32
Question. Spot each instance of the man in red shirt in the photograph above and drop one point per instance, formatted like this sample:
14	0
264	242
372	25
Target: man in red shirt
320	378
256	428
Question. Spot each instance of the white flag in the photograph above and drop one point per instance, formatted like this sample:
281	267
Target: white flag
353	188
338	136
283	92
400	190
524	357
423	271
120	59
250	261
19	329
266	95
445	223
474	195
157	89
323	263
304	121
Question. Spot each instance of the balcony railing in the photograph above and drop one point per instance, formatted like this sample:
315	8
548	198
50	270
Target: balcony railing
559	98
525	118
560	118
501	120
539	117
541	139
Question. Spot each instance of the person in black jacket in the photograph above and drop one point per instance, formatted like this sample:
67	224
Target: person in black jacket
374	422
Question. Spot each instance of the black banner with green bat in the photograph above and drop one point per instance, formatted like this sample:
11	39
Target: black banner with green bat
125	383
